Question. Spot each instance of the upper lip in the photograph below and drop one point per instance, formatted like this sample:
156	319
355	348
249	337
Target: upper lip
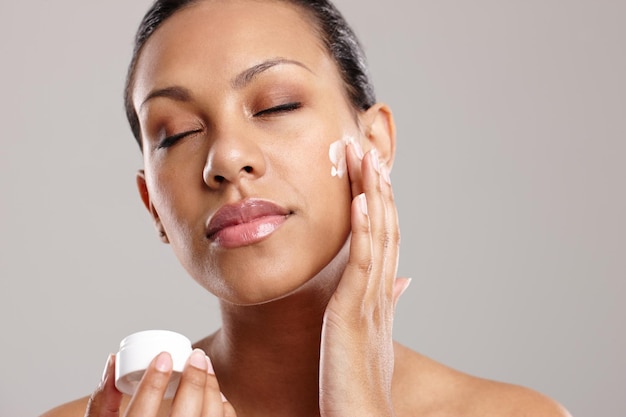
242	212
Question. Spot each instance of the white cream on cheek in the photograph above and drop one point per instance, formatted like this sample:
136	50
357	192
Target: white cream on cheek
337	155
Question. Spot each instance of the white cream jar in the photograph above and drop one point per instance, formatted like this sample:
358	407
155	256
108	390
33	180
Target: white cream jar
138	350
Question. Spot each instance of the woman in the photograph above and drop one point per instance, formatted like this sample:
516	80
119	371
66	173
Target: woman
266	168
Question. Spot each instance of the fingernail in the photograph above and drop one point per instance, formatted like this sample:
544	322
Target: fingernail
362	201
209	365
197	360
163	362
375	159
224	400
408	282
384	172
106	367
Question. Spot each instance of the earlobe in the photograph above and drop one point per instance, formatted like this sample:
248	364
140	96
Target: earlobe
380	131
145	197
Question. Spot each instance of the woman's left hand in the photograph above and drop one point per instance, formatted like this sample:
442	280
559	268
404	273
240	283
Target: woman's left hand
357	354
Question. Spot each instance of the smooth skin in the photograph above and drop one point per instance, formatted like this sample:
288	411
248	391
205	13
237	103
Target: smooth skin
307	312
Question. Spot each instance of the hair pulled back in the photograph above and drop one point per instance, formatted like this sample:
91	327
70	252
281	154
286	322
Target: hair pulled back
337	36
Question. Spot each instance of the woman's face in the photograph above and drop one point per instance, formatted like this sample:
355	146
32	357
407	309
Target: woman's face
239	104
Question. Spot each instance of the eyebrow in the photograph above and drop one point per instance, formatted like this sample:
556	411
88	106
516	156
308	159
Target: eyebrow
182	94
248	75
174	93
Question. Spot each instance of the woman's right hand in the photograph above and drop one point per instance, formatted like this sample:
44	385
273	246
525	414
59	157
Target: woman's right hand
198	393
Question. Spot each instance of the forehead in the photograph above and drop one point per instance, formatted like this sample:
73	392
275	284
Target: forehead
213	40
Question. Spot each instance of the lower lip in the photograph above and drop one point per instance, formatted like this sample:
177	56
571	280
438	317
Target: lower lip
248	233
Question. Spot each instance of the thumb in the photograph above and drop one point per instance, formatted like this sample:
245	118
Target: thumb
399	286
106	399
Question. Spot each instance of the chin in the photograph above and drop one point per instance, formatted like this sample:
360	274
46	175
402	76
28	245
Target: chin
255	289
257	283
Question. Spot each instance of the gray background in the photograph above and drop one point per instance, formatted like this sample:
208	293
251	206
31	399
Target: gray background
510	181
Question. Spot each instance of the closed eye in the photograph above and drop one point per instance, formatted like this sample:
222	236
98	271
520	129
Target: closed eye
171	140
283	108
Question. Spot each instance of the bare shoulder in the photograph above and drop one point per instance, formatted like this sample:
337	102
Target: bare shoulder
426	388
75	408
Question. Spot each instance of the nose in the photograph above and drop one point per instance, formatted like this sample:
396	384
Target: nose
232	159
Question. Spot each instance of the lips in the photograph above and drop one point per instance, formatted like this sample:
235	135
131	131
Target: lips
246	222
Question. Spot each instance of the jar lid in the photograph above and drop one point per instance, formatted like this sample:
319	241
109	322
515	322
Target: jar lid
138	350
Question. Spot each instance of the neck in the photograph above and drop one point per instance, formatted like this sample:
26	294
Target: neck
266	356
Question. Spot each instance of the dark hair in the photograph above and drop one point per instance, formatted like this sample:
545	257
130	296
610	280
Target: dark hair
337	36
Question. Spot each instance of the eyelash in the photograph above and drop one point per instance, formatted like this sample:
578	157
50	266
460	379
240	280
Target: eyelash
283	108
171	140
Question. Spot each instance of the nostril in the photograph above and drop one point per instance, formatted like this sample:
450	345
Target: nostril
214	179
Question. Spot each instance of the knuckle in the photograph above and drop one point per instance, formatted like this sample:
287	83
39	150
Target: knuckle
385	239
154	381
365	266
194	378
394	241
155	384
389	193
363	227
378	186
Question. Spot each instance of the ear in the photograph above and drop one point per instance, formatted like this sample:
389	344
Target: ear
380	131
145	197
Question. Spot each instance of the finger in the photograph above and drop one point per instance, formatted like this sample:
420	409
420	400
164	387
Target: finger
149	394
106	399
367	224
358	269
213	398
354	156
190	394
392	248
377	211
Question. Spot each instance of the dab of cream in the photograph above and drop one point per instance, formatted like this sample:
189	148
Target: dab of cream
337	154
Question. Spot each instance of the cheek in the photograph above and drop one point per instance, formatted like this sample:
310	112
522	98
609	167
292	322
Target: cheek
337	156
322	172
174	203
330	194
